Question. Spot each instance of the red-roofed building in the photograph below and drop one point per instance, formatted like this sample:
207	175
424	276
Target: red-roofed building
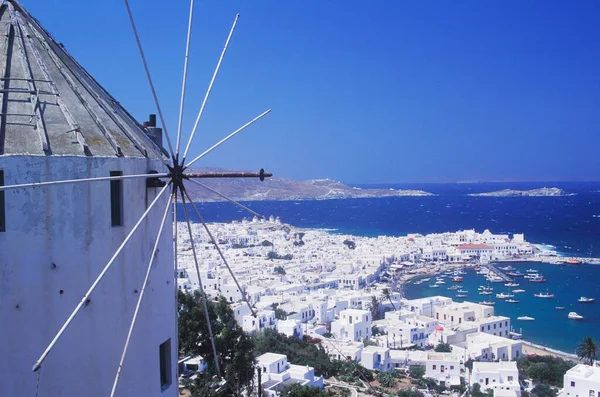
475	249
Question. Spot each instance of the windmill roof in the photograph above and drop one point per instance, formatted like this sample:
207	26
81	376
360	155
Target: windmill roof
50	105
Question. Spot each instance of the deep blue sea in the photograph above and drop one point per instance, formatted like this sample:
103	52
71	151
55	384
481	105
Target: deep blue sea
571	224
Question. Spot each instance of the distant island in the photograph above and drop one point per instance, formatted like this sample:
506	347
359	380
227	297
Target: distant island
277	188
543	192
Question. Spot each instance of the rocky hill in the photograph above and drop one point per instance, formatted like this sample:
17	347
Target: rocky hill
543	192
277	188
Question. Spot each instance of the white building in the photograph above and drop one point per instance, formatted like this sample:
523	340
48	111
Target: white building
290	328
376	358
582	381
55	240
277	373
502	375
353	324
444	368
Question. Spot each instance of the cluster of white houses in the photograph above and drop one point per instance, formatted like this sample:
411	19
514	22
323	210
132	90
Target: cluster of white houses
324	286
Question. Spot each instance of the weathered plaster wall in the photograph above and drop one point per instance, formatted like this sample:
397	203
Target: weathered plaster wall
70	226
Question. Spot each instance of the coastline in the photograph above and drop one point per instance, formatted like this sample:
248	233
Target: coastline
532	348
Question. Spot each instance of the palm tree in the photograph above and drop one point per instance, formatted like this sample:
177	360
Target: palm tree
387	295
374	307
587	350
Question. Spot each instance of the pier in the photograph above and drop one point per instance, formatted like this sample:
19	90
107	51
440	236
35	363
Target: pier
498	273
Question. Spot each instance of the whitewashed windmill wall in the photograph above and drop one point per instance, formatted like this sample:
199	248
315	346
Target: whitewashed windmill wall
57	239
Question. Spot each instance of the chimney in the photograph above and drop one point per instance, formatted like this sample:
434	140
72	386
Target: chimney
152	131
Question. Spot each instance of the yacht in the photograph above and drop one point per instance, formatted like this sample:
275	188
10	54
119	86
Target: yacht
457	279
537	279
575	316
516	291
546	295
462	291
485	292
511	285
525	318
502	295
583	299
511	301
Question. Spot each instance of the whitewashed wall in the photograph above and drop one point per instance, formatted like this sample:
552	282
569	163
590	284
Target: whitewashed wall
70	226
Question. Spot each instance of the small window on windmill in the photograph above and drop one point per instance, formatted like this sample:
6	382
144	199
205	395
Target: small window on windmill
164	352
116	199
2	211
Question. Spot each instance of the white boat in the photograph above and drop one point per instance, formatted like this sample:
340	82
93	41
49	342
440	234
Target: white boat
575	316
525	318
461	291
545	295
485	293
487	303
511	285
516	291
531	271
583	299
502	295
511	301
434	286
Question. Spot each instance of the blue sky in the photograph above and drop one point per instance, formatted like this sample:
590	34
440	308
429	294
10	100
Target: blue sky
362	91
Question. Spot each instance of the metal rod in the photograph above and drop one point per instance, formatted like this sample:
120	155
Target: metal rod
220	252
212	81
183	84
210	333
139	300
176	271
227	137
228	199
204	175
98	179
39	362
139	45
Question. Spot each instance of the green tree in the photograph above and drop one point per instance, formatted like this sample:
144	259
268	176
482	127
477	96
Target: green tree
539	372
587	350
279	270
375	308
443	348
386	379
416	371
296	390
234	348
543	390
476	390
388	295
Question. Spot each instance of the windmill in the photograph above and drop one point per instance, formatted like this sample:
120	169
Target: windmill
83	240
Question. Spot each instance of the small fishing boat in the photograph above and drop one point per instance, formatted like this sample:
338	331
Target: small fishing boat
544	295
575	316
525	318
453	288
515	274
457	279
434	286
502	295
573	261
485	292
460	295
517	291
583	299
511	301
461	291
531	271
538	279
560	308
487	303
511	285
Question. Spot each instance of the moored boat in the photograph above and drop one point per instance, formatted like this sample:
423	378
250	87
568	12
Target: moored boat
487	303
538	279
502	295
525	318
545	295
575	316
515	274
573	261
516	291
511	285
512	301
583	299
460	295
560	308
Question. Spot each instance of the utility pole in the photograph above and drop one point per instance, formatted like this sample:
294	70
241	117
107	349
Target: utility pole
259	384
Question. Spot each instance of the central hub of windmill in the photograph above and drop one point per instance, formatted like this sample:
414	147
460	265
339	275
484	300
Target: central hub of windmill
177	175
